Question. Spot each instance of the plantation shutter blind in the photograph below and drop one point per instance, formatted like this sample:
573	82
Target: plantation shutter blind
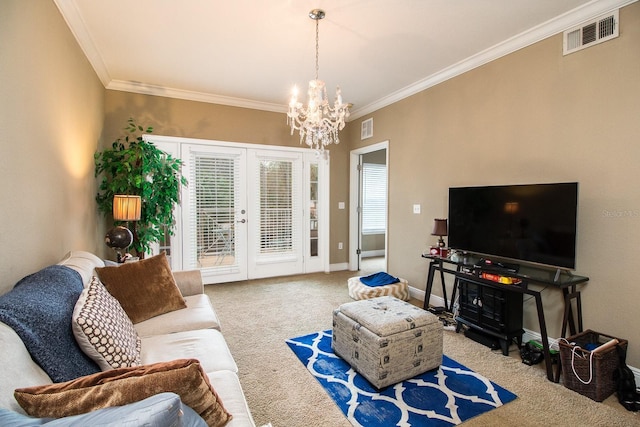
213	185
374	198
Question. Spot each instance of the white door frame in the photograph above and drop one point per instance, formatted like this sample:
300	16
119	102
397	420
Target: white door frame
354	202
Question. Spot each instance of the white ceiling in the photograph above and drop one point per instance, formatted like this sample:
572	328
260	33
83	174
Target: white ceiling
250	53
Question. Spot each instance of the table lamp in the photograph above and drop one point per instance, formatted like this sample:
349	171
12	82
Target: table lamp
125	208
439	229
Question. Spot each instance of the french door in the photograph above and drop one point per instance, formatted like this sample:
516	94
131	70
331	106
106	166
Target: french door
275	201
214	212
249	212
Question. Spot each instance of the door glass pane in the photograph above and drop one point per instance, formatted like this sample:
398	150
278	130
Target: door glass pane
276	207
215	211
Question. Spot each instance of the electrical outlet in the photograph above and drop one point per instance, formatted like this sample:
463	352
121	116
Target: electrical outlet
416	209
340	245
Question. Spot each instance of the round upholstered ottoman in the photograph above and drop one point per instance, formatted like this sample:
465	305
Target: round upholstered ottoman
359	291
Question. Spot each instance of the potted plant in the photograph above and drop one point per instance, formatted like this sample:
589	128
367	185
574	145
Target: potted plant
136	167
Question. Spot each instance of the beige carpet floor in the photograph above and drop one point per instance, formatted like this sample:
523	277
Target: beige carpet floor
258	316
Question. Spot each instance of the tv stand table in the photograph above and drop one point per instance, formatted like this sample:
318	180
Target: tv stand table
562	280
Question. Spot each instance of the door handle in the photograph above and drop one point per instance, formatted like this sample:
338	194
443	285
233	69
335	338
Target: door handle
242	221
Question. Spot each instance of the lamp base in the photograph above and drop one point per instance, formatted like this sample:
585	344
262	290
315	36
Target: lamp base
439	251
119	239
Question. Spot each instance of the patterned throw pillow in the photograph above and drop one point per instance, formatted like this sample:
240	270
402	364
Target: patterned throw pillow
103	330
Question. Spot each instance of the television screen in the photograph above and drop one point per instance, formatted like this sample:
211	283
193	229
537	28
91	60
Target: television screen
533	223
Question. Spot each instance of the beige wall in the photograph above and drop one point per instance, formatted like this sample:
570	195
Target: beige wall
533	116
176	117
373	242
50	121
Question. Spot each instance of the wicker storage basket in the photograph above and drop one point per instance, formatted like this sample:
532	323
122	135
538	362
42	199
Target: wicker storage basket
589	373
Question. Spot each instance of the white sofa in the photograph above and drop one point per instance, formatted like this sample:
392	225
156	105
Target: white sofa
192	332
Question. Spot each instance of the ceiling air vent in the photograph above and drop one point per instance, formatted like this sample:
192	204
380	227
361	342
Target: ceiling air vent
591	33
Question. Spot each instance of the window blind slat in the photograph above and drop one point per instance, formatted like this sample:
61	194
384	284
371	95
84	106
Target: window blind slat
374	198
213	186
276	207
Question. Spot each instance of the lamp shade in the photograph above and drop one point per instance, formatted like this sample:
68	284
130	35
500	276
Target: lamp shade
439	227
126	208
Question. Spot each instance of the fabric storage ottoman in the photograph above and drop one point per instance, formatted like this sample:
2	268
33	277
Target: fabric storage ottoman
387	340
359	290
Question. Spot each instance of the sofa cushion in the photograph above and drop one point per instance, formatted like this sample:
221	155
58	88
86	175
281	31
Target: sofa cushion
189	282
199	314
122	386
206	345
160	410
39	309
103	330
145	288
83	262
17	369
230	391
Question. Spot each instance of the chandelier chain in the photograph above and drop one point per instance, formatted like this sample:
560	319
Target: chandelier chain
317	47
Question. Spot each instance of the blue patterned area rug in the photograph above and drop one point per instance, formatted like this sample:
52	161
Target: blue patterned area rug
445	396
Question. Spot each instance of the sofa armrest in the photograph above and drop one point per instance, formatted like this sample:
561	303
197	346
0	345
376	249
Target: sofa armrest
189	282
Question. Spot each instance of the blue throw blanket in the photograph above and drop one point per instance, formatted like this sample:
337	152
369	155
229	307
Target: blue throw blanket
379	279
39	309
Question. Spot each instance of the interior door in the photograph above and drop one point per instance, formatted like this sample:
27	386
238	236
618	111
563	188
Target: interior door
215	212
359	212
357	158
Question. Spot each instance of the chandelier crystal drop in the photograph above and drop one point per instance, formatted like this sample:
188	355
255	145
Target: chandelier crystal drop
318	122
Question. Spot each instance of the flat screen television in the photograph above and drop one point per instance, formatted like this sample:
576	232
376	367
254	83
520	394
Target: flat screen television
534	223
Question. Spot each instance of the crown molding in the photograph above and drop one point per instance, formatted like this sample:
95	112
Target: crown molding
146	89
594	8
69	11
554	26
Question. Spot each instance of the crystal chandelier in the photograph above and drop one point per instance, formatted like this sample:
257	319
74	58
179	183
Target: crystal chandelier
318	122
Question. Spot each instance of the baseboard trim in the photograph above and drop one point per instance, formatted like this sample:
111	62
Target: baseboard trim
339	267
373	253
419	294
527	336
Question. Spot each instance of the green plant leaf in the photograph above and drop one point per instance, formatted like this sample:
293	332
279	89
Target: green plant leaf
139	167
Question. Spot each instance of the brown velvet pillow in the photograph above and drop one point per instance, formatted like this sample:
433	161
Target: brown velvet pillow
122	386
144	289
